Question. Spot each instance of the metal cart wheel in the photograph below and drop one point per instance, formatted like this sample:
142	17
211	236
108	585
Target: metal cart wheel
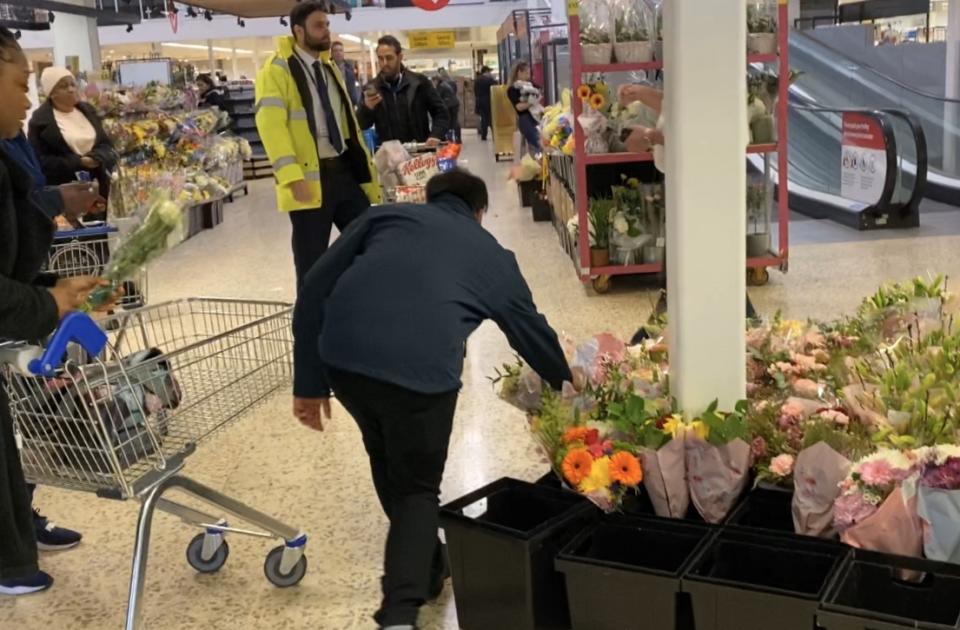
271	568
215	563
758	276
601	284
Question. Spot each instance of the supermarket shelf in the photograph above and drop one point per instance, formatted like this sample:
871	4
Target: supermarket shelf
774	58
622	67
763	148
618	158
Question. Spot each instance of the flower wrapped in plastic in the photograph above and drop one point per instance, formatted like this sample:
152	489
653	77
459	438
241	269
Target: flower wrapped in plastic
718	461
145	243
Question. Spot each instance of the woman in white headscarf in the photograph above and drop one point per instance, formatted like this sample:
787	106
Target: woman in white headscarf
67	135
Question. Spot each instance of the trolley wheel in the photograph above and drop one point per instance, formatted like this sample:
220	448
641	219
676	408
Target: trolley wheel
601	284
271	568
195	555
758	276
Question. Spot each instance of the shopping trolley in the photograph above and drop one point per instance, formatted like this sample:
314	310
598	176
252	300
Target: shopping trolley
117	413
86	252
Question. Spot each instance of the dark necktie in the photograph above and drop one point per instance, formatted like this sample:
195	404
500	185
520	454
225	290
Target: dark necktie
333	128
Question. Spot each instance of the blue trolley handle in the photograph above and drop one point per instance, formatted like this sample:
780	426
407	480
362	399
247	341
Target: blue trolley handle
75	328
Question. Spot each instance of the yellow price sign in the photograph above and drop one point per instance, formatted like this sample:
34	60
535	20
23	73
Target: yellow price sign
573	7
432	39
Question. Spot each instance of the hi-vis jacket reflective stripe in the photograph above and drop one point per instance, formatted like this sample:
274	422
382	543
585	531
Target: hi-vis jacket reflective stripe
285	130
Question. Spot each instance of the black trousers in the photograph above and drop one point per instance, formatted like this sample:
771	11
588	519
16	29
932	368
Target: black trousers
455	124
343	201
486	120
406	435
18	544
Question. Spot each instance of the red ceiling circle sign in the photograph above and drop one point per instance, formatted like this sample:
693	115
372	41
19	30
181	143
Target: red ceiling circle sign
431	5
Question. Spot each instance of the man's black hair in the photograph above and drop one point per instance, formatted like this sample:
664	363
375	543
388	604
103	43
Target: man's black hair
206	78
8	45
392	42
460	183
486	69
303	10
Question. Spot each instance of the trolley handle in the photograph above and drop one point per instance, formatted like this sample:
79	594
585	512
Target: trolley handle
76	328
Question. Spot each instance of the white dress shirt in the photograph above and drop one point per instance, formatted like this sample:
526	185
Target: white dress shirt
325	149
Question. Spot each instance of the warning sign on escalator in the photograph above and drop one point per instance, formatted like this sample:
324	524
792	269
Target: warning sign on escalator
863	169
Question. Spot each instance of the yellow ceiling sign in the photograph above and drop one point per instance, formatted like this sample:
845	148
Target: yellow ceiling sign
432	39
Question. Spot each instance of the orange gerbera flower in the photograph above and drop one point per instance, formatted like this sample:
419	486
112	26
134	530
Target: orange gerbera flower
575	434
577	465
584	92
625	469
597	101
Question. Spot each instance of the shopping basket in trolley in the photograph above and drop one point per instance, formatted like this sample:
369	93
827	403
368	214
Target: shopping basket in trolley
118	413
86	252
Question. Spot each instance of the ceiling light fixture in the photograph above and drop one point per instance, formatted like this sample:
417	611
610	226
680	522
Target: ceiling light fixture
17	34
208	15
51	17
129	28
283	21
191	12
241	23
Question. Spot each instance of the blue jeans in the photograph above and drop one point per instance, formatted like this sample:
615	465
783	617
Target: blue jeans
531	131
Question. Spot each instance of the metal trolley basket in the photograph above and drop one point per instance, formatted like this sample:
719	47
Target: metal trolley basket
118	413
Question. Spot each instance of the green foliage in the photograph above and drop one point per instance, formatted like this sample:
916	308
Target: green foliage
725	427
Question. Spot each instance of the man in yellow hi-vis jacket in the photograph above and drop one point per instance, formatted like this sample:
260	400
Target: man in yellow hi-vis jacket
309	129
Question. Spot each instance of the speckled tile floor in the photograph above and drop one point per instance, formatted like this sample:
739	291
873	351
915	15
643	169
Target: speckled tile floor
320	482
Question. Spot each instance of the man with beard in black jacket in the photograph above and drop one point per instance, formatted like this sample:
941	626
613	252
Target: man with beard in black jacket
401	104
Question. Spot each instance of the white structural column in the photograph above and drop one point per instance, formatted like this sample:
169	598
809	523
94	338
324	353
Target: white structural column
76	36
951	114
706	139
210	59
793	12
234	62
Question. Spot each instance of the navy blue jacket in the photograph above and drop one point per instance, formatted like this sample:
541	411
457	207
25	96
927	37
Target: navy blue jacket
47	197
397	295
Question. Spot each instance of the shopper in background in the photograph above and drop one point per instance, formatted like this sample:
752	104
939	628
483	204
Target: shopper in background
211	95
394	356
485	82
403	105
323	171
68	137
28	311
528	125
346	69
446	90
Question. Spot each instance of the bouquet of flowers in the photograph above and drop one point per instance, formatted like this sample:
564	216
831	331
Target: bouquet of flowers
938	502
593	120
143	245
718	460
875	510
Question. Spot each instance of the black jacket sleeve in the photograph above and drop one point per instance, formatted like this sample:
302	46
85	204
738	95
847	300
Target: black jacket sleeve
56	164
528	332
27	312
439	114
366	117
309	372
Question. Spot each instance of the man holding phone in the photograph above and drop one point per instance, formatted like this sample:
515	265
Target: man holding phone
401	104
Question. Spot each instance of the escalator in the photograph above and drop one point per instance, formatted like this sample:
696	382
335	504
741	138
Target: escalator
923	168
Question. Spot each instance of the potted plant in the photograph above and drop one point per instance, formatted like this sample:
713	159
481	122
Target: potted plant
758	237
596	46
654	214
761	30
628	238
600	214
632	39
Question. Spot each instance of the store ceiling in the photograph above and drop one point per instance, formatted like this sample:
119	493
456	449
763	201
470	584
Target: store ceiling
252	8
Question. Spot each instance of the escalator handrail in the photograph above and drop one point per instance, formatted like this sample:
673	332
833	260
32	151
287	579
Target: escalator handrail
890	139
920	140
885	77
